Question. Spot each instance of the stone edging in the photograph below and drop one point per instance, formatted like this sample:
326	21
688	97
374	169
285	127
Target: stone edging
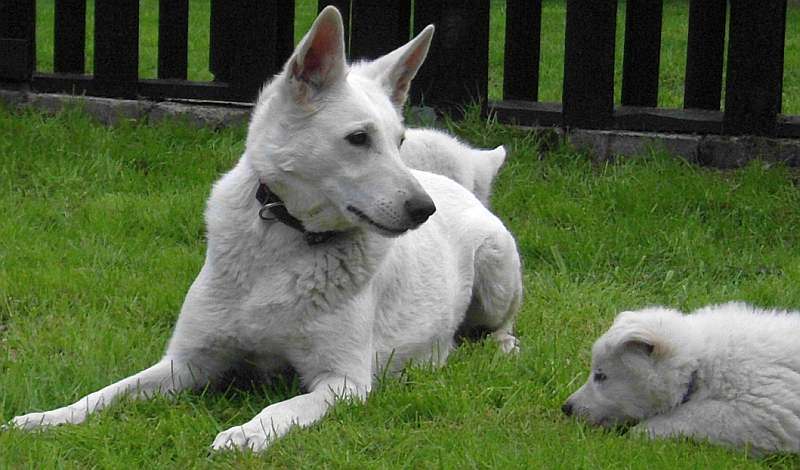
710	150
111	110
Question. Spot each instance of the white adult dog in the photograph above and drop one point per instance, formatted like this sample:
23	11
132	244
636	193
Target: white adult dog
438	152
726	373
324	252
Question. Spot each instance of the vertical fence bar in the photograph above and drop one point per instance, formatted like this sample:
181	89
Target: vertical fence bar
589	63
704	54
69	36
456	71
17	39
522	50
344	8
116	47
284	35
378	27
253	57
244	44
173	38
755	67
254	54
642	53
221	41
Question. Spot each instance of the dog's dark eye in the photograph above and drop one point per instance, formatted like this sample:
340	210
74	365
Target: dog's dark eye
599	376
402	139
358	138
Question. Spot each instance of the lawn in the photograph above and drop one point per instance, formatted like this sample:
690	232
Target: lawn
673	51
103	233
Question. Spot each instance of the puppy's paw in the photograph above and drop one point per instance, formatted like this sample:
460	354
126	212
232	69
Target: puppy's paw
640	431
243	438
509	344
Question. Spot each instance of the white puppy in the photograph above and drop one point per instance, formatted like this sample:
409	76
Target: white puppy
726	373
438	152
327	254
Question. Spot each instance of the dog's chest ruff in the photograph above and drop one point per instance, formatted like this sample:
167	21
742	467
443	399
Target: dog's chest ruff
295	291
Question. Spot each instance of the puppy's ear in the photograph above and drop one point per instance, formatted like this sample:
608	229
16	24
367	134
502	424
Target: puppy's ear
496	158
396	69
639	347
644	343
318	61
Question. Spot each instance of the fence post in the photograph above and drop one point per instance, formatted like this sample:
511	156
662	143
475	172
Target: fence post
522	49
173	37
116	47
589	63
704	54
69	36
456	71
220	40
755	67
17	39
378	27
642	53
284	34
247	41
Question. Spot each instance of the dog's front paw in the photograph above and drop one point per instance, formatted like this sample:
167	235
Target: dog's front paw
33	421
246	437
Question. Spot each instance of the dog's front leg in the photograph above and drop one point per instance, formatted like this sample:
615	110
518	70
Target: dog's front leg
303	410
166	376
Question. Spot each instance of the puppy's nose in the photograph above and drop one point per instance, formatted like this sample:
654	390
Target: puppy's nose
567	408
419	208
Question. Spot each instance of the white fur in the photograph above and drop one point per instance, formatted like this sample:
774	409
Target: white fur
746	367
438	152
387	290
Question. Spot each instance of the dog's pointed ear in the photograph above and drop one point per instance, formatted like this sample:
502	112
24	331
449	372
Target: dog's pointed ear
396	69
319	59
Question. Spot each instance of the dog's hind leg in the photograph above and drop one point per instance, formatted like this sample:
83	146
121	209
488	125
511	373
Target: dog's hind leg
497	291
166	376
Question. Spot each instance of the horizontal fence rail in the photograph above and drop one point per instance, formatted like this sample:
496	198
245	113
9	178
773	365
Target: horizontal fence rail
251	39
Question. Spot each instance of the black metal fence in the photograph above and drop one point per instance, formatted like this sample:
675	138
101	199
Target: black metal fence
250	40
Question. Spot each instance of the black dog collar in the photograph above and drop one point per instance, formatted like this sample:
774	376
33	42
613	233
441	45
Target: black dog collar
273	208
690	389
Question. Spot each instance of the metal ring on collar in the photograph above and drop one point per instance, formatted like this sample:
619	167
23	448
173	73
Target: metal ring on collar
266	209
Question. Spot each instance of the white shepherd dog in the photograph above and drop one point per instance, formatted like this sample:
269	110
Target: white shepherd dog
326	253
726	373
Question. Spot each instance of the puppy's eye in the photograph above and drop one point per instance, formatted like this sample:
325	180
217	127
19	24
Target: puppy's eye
358	138
402	139
599	377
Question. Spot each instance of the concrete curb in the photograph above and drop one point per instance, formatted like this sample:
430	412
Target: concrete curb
708	150
717	151
111	111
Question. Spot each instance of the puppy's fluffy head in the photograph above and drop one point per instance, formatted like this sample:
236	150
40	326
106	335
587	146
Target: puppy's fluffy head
640	368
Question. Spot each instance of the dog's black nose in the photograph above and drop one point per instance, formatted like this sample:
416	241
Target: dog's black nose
419	208
567	408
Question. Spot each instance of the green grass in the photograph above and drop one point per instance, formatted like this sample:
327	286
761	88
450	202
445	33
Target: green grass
673	51
102	233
